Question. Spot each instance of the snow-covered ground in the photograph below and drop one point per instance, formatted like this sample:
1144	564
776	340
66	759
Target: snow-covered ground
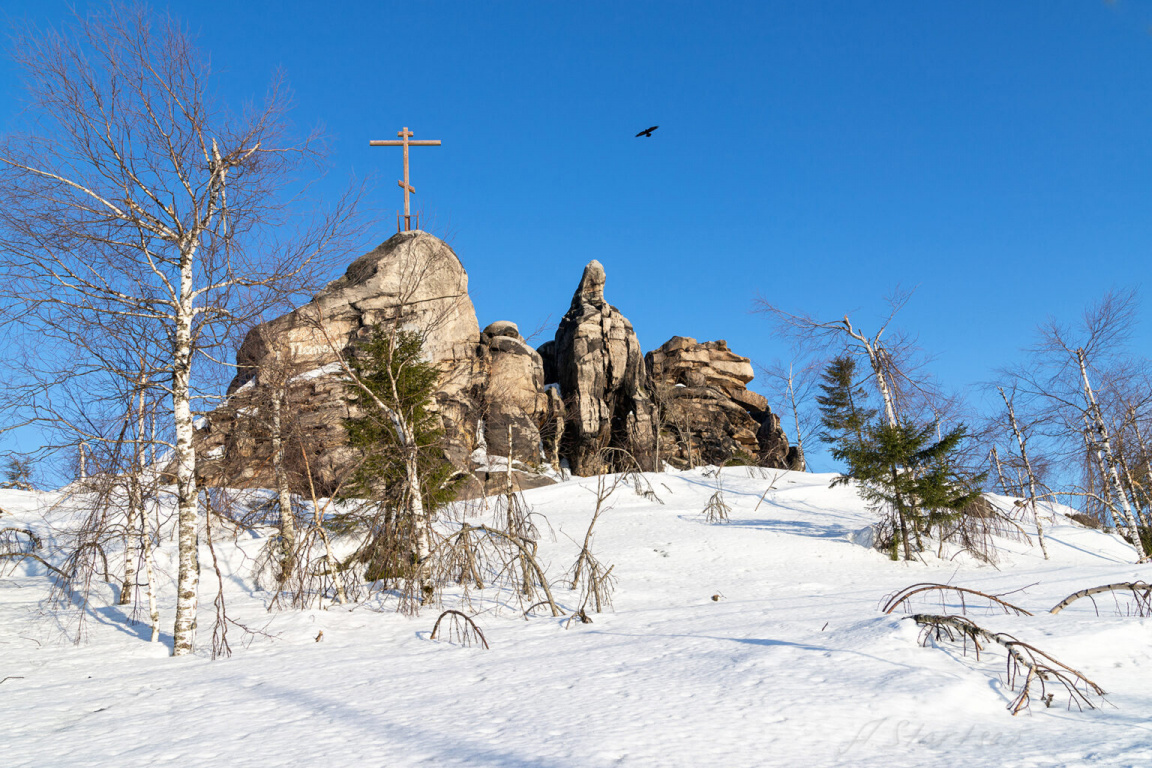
793	664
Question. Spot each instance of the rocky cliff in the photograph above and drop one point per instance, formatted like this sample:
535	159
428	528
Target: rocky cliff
588	398
600	371
708	414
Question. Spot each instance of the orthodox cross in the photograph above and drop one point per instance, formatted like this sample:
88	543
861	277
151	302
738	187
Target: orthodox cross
405	141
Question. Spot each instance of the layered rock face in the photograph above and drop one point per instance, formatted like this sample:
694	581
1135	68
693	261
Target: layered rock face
413	281
588	390
708	413
511	402
602	378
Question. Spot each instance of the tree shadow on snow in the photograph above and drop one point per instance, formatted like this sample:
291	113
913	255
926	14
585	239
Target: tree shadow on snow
383	727
765	642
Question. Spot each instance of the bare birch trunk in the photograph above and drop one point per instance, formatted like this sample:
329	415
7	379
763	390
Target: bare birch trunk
1143	449
421	527
150	576
145	536
131	533
283	493
875	360
1028	470
318	522
796	421
132	530
188	574
1093	452
882	384
994	455
1136	494
1105	446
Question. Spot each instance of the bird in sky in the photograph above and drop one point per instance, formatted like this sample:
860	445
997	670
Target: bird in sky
647	132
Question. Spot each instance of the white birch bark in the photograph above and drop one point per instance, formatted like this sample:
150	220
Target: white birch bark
283	493
1020	439
1104	446
134	524
875	359
421	527
188	572
131	540
995	456
796	420
150	577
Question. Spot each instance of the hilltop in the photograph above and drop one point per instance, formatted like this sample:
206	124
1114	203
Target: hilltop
756	642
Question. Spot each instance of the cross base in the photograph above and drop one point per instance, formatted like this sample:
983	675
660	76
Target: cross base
406	219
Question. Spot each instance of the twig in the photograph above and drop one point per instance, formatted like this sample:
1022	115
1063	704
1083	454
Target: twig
1141	591
1036	665
902	596
455	630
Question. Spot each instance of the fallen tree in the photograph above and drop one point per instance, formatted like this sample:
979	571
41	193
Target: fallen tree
1037	667
1141	593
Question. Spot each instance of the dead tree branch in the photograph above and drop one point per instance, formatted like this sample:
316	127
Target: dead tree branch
1037	667
461	629
901	598
1141	593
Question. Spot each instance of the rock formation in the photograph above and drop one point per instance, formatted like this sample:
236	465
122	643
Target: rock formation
602	378
413	281
587	390
510	393
707	412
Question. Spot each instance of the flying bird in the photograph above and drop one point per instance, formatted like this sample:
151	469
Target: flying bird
647	132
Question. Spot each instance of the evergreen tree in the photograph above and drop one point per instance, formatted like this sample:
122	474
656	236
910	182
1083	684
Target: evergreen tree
843	404
900	470
390	364
912	477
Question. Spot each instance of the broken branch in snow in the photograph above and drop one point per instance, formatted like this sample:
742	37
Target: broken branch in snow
461	628
24	550
1023	659
902	596
1141	593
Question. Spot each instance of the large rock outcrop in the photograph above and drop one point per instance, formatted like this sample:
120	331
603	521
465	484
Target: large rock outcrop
708	414
588	390
511	400
600	369
414	281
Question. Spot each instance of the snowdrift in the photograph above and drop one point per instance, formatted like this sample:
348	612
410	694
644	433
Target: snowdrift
756	642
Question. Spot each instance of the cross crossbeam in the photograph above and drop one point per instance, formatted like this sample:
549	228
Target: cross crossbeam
405	141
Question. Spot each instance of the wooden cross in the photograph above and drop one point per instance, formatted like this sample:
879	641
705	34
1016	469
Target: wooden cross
405	142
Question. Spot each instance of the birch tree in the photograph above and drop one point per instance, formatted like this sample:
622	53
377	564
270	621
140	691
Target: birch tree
1029	473
135	197
889	355
1075	371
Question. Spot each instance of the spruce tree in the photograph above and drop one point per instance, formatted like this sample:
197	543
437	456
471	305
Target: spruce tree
903	471
843	404
391	365
900	470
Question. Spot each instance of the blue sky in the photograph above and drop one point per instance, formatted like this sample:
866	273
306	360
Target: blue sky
996	155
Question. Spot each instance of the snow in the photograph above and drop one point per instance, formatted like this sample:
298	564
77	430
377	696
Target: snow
759	642
326	370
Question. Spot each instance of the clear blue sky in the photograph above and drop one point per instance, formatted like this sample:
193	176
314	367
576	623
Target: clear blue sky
996	154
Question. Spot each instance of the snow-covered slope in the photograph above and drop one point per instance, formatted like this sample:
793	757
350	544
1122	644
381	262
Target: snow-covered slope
792	663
